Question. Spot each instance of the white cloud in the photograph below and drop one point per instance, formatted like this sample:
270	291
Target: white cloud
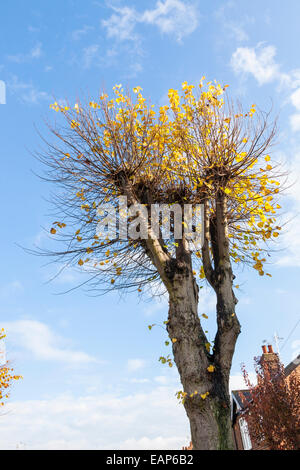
295	122
135	364
295	118
260	63
121	24
236	382
289	254
173	17
35	53
257	61
27	92
162	379
295	99
152	420
43	343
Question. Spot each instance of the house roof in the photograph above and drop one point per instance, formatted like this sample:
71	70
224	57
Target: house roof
241	396
292	366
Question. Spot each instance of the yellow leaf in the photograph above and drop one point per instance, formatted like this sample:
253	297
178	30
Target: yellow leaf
211	368
204	395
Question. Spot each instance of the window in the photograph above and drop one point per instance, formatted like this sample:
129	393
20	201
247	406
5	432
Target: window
245	434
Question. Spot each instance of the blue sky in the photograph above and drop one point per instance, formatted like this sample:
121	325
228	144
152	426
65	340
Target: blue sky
91	373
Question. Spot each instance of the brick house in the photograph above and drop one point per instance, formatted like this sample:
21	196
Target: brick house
241	397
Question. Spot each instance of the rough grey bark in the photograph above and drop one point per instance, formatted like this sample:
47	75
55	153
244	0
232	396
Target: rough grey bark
210	417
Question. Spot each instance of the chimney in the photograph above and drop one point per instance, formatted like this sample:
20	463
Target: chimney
269	360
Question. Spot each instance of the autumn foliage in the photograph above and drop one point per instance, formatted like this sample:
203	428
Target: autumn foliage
273	413
6	377
200	149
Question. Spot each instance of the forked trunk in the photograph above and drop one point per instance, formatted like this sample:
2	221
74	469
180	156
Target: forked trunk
207	401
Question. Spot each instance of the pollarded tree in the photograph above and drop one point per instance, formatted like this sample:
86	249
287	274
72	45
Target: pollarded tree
200	149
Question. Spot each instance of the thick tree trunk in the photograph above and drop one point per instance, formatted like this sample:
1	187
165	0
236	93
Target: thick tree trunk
210	420
209	416
204	373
